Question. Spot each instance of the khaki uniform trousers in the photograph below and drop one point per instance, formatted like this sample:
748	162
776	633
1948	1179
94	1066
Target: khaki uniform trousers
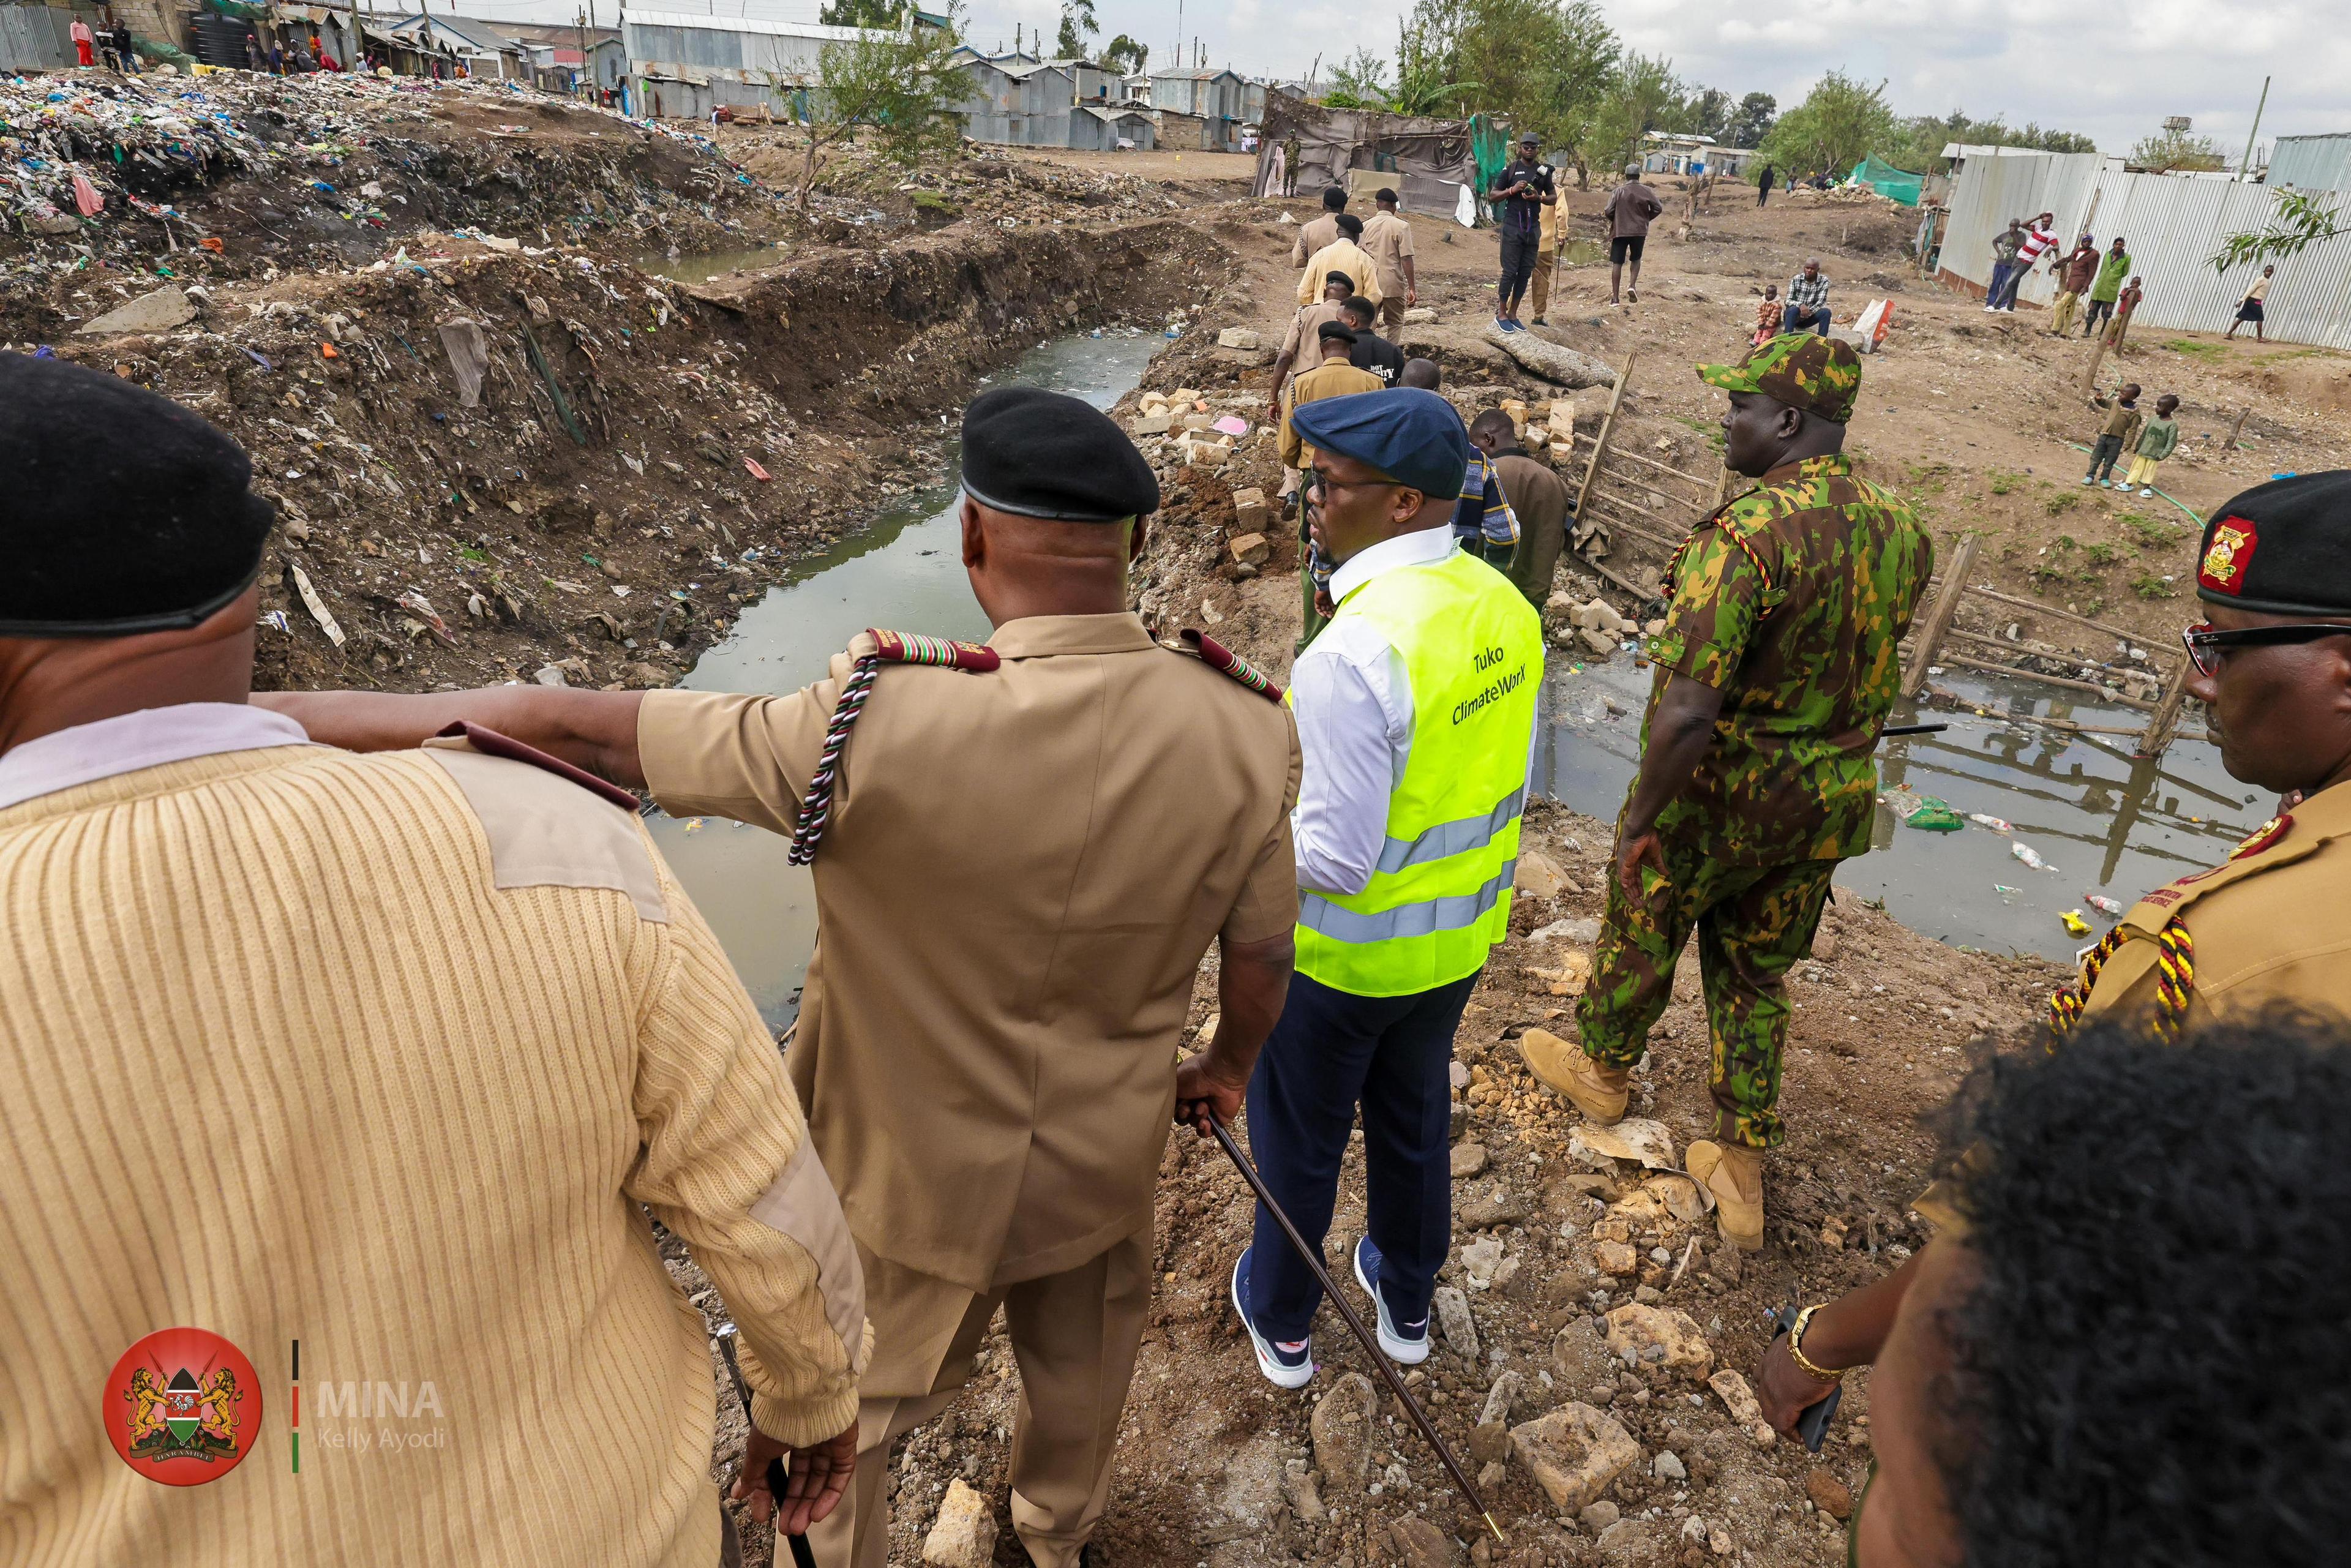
1545	259
1074	1335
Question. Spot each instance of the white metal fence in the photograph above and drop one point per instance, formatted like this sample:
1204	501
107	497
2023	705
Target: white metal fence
2171	227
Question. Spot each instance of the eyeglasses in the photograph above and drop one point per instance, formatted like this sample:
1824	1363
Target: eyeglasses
1319	483
2207	645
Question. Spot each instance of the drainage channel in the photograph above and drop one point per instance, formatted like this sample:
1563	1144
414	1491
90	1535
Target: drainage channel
2103	822
904	573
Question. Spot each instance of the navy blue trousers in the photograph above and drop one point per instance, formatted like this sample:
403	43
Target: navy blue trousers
1331	1051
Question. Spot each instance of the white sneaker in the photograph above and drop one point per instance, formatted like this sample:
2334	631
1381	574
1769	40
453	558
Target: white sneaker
2148	491
1406	1347
1284	1365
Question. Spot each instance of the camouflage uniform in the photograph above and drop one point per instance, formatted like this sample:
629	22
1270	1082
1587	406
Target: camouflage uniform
1791	599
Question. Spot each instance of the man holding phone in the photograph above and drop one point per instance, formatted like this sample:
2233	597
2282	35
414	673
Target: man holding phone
1522	190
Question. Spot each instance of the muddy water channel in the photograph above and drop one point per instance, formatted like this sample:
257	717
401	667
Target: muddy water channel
904	573
2102	821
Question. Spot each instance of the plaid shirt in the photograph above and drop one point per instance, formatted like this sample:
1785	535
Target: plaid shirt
1482	510
1808	293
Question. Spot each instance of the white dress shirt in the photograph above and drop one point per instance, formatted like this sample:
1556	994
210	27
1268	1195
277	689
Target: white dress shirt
1353	702
84	753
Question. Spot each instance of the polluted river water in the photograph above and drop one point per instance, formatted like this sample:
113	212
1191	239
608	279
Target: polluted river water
2103	822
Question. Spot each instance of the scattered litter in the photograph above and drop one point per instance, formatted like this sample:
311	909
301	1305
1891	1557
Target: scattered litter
2030	856
1935	816
1997	825
755	470
2007	893
2099	901
315	605
2075	925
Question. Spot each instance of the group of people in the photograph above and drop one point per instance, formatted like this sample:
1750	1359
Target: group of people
304	56
375	1026
114	41
1534	230
1769	173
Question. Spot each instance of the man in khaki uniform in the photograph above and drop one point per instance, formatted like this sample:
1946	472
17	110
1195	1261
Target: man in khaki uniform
1021	852
1346	254
1316	233
1550	236
2273	923
1387	239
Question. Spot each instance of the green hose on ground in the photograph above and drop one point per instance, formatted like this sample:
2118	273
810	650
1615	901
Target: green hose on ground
2173	499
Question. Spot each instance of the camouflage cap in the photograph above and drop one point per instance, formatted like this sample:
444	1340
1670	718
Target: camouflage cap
1819	375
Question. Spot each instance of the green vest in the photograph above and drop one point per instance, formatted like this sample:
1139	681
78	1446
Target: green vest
1472	652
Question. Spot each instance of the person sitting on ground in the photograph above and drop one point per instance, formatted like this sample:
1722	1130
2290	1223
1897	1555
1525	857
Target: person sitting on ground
1632	208
2123	421
1539	502
1341	255
2041	1397
2158	439
1372	352
1808	300
2253	307
1768	313
443	1037
1318	232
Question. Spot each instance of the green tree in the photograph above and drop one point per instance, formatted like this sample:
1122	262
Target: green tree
1751	119
1359	81
1581	58
1638	95
1077	25
1124	55
898	85
1705	112
2170	150
1839	121
863	13
2300	219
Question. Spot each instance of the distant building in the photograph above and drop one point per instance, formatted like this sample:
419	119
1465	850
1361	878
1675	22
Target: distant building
568	59
2312	162
683	65
482	50
1094	126
1094	83
1216	97
1021	105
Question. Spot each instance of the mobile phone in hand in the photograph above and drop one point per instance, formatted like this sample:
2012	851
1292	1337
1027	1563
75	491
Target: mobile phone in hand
1813	1425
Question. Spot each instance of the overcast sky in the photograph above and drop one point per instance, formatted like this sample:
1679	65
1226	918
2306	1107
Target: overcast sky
2110	70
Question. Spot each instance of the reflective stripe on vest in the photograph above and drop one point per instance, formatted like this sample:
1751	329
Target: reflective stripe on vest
1439	895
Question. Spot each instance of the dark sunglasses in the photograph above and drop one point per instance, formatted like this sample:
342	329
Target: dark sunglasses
2205	646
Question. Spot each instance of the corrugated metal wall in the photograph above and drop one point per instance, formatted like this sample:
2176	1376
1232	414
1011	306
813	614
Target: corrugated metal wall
34	38
2170	227
2313	162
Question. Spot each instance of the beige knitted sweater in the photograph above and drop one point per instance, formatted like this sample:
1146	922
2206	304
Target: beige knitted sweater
389	1055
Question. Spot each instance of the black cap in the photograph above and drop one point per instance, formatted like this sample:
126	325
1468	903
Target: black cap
1335	329
1038	453
121	512
2282	548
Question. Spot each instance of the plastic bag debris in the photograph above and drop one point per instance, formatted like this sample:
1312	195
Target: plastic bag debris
2030	856
1935	816
2075	925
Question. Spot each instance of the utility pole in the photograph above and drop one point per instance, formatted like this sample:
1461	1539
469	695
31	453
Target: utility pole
2245	169
582	15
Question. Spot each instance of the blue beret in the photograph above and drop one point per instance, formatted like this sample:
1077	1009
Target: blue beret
1412	436
1040	454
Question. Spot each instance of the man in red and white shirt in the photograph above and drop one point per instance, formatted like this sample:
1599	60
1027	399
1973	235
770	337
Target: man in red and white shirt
2036	244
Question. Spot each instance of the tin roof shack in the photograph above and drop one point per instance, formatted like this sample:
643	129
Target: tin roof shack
1107	129
1137	88
1091	83
1216	97
1430	162
1020	106
557	59
687	65
1181	132
2312	162
483	53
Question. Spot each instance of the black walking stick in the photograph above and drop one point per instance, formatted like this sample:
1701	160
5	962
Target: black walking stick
776	1481
1354	1324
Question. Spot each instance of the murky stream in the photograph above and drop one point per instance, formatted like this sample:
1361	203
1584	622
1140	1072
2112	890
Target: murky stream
2104	821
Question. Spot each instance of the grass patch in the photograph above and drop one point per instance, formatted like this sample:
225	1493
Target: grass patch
1928	478
2064	501
2194	350
2149	533
2100	554
2154	587
2001	481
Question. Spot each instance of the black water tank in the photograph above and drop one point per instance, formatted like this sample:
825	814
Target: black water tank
219	40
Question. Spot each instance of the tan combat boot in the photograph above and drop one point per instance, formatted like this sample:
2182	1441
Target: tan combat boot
1734	1174
1598	1091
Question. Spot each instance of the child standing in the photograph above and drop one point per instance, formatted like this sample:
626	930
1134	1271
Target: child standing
2123	422
1767	314
2156	440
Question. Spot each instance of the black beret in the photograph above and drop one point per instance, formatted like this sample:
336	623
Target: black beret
1335	276
1038	453
1338	330
2282	548
121	511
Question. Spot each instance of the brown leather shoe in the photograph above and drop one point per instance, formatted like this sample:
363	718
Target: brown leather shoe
1734	1174
1598	1091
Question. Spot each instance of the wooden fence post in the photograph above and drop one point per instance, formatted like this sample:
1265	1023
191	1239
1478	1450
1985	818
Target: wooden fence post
2090	372
2166	718
1938	619
1600	441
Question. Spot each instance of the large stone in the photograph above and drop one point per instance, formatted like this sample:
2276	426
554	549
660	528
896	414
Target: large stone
1539	876
1617	1258
1245	357
1498	1398
1574	1454
1453	1317
1488	1210
1637	1544
1829	1495
1480	1258
1251	549
1423	1545
1634	1138
1554	362
964	1536
1660	1337
1248	510
1579	1363
1468	1160
165	308
1150	424
1238	337
1599	644
1489	1441
1305	1497
1419	313
1341	1429
1739	1401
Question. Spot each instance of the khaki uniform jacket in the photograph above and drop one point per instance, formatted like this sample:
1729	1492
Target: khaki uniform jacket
1388	240
1312	235
1341	256
1022	872
1335	378
2273	923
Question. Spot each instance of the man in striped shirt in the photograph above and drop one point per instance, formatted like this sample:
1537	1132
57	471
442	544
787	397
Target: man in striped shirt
2028	251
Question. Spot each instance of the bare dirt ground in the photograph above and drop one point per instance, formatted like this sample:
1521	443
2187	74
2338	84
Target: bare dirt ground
725	430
